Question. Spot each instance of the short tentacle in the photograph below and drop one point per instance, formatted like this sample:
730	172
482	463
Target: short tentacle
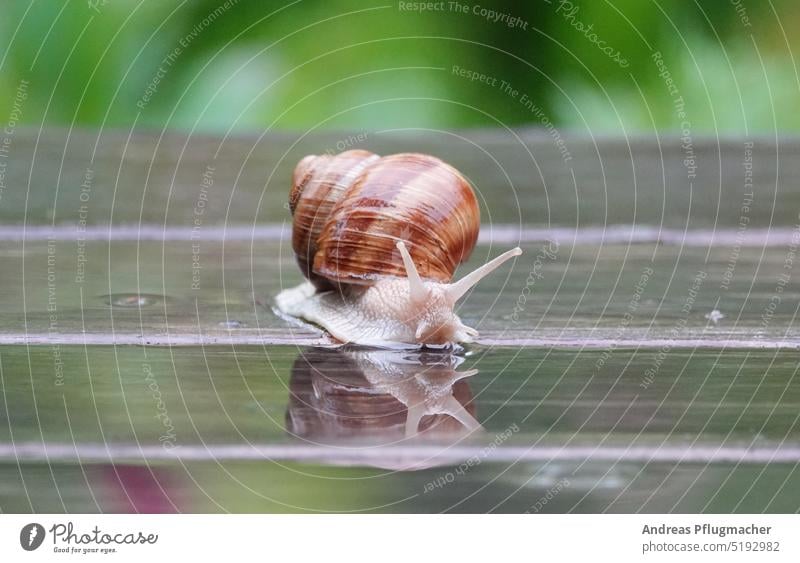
415	287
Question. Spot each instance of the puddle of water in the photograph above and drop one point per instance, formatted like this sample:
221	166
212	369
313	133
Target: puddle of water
295	429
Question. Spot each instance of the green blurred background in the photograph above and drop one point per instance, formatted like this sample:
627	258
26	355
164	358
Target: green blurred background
251	65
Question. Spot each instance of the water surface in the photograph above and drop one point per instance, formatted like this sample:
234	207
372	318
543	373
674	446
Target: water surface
252	428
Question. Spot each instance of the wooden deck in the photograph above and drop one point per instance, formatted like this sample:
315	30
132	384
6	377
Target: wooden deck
640	356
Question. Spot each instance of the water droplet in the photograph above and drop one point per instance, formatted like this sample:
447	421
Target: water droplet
231	324
132	300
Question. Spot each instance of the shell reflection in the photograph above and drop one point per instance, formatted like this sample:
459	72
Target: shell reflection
379	396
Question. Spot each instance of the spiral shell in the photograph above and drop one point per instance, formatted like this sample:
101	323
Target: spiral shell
317	184
350	210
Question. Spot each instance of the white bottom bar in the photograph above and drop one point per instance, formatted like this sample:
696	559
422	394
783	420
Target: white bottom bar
401	538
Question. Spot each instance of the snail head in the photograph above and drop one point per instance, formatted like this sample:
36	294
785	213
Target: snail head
431	304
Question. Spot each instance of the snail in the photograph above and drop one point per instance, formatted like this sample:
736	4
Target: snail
379	240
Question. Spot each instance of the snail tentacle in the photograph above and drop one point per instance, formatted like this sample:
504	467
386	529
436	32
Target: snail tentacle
416	289
458	289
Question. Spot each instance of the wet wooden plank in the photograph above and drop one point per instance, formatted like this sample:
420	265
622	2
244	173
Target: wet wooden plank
132	213
290	487
282	429
583	295
521	177
248	396
602	369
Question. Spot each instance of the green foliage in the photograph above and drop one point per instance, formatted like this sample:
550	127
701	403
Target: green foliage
375	65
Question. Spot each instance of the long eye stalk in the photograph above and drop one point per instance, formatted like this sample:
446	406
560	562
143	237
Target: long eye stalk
457	290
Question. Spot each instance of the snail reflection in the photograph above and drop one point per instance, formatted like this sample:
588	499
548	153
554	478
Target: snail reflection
379	396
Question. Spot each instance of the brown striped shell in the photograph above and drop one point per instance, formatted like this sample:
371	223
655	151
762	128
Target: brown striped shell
317	184
350	210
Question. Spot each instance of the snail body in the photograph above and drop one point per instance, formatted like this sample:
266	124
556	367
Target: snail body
379	240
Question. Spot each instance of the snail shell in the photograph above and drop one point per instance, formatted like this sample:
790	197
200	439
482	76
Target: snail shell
379	239
317	185
350	210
